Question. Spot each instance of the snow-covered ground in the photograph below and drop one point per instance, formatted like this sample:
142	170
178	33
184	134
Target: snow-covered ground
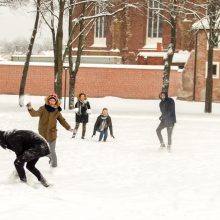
126	178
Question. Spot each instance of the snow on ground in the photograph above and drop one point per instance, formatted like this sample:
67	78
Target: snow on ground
126	178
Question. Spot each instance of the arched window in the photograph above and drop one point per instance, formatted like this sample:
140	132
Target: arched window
100	26
154	23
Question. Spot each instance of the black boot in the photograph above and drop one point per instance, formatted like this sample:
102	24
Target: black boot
44	182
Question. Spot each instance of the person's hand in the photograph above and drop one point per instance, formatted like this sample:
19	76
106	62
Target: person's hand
71	130
28	105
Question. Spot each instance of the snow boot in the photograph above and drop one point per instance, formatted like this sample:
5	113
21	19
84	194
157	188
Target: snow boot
169	148
44	182
162	145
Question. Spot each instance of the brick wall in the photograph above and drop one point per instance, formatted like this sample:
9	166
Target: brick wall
95	81
188	75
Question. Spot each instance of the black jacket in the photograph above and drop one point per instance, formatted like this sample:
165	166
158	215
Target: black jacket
21	140
167	108
82	115
107	125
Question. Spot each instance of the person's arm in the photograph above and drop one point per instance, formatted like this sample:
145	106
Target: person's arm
88	111
110	127
34	113
96	126
63	122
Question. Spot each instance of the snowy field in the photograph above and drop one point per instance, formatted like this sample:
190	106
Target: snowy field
126	178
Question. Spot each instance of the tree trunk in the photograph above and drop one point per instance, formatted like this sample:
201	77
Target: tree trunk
28	55
58	57
74	71
212	13
209	81
168	59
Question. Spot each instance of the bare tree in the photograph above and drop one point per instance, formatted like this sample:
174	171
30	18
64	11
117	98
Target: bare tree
206	15
82	15
28	55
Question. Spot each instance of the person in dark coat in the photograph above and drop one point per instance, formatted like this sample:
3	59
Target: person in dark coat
28	147
82	110
103	123
167	118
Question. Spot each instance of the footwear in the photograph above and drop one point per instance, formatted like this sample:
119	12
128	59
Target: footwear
24	180
83	137
43	182
162	145
169	148
74	135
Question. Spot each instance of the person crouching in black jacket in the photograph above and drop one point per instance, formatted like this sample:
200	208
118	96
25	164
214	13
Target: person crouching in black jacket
102	124
28	147
167	118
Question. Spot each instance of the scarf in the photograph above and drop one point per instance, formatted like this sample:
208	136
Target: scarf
52	109
104	123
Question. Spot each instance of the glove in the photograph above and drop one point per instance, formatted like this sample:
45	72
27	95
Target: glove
76	110
89	111
28	105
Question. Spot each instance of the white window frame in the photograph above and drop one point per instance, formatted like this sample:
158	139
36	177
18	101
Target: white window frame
100	41
151	42
217	70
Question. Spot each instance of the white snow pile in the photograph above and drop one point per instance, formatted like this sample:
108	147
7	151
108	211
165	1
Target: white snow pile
180	57
126	178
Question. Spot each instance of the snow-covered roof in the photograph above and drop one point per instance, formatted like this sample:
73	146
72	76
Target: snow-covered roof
180	57
120	66
204	24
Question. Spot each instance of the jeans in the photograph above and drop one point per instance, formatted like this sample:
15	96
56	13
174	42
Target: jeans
104	134
53	155
83	129
169	132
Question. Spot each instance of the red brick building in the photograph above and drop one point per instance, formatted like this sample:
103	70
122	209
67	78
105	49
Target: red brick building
133	31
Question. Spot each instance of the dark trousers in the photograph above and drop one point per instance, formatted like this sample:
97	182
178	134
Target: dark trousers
103	134
169	132
83	128
30	157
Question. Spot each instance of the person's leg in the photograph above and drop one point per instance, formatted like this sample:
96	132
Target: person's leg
105	135
53	155
31	167
75	129
101	135
169	135
159	135
83	130
19	166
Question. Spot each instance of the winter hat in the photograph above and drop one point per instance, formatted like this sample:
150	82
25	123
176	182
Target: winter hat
53	96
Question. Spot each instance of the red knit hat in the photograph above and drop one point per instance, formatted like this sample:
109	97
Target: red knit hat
53	96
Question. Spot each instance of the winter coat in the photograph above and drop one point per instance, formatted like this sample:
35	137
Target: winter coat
49	116
82	115
20	141
99	122
167	108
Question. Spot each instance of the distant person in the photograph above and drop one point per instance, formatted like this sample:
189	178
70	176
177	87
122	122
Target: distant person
168	119
49	114
28	147
102	124
82	110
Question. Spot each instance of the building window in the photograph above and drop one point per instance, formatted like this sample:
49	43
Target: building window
154	23
215	70
100	26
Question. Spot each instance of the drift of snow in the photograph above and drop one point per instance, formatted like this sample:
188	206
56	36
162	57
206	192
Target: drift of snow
126	178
